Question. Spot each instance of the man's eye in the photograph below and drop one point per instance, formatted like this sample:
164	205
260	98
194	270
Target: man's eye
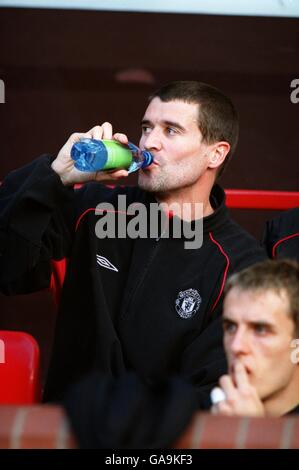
146	129
229	327
171	131
261	329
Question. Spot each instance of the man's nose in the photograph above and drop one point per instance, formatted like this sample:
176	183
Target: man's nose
239	343
152	141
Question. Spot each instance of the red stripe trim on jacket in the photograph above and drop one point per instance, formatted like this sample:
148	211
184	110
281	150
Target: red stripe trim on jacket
225	271
57	277
98	211
281	241
82	215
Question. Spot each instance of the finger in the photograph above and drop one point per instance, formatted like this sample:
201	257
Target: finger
228	387
76	136
95	133
241	376
224	408
122	138
108	176
120	174
107	130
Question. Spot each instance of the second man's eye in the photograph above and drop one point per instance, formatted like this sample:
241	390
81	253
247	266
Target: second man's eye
261	329
229	327
171	131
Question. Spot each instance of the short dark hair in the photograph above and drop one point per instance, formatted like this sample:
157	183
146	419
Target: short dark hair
279	276
217	116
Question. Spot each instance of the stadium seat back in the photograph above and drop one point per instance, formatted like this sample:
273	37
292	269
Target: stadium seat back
19	368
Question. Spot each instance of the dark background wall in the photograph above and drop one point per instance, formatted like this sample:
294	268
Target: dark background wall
67	71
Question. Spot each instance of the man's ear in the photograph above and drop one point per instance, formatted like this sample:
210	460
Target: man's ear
217	154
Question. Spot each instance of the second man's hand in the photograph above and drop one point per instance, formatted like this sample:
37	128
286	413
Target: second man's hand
241	398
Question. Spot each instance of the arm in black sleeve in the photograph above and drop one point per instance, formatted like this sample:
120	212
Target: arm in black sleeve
204	361
281	235
36	226
122	412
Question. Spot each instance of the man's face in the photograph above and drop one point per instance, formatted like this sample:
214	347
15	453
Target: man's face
170	132
258	332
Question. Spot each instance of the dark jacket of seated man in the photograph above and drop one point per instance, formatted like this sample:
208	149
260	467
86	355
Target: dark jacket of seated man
281	236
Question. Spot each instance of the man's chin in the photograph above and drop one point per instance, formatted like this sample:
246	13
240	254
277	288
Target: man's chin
146	183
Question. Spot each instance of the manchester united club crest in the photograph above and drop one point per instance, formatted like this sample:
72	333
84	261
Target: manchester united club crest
187	303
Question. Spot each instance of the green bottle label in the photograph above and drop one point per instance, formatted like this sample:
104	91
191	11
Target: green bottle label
119	156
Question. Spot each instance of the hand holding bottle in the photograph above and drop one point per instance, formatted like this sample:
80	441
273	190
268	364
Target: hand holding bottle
63	165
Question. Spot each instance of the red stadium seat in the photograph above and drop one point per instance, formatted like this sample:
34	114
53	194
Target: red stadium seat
19	368
261	199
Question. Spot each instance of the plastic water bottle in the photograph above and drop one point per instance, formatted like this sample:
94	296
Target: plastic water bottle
100	155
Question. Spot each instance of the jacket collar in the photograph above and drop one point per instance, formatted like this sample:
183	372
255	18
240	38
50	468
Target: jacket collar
212	221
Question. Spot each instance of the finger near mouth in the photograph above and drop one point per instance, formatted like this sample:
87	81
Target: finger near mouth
233	370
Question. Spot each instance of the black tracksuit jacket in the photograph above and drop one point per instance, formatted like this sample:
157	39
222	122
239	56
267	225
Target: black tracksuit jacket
125	317
281	237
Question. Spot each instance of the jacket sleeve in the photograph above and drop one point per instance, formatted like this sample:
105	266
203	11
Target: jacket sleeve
281	235
204	360
36	226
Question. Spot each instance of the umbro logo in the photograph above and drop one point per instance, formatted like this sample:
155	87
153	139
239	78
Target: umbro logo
105	263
